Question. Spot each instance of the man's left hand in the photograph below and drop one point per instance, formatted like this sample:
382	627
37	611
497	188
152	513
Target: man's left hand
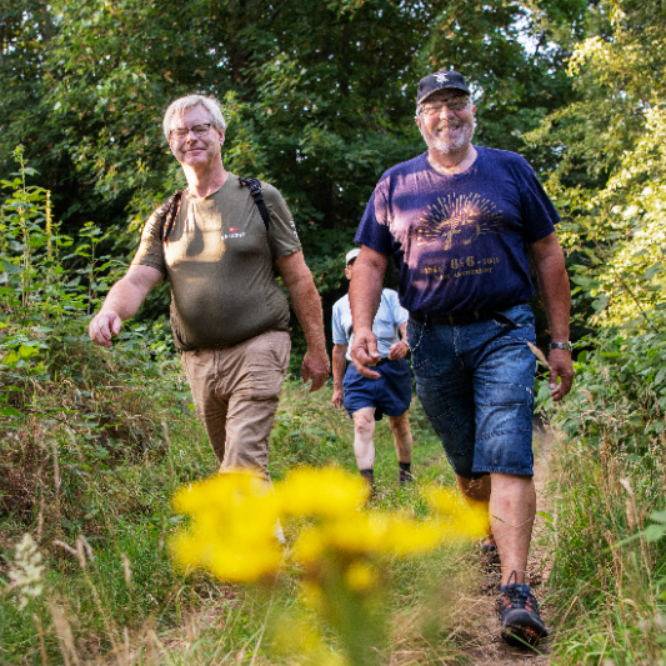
397	351
316	366
561	367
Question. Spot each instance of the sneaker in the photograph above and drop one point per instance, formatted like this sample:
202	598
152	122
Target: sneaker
492	565
518	612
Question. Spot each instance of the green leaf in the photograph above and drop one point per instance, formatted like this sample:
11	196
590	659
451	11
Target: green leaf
659	517
26	351
9	411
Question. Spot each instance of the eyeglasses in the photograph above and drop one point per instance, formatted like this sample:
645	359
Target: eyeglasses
454	104
199	130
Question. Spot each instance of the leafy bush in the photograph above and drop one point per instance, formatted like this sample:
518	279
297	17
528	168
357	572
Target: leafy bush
611	467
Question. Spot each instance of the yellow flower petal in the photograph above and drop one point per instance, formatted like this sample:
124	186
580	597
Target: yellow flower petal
359	576
321	492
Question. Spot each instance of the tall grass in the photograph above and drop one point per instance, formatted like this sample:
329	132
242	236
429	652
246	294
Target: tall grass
109	590
94	443
610	469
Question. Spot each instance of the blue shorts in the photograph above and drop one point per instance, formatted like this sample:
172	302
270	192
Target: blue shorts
391	394
476	385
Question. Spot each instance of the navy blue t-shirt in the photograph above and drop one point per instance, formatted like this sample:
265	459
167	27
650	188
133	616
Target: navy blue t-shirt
460	241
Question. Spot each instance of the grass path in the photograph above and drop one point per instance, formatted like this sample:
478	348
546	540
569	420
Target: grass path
121	603
470	627
482	644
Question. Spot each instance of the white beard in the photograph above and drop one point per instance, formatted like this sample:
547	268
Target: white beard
447	147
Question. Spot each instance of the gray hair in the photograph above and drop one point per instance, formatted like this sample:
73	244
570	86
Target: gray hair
183	103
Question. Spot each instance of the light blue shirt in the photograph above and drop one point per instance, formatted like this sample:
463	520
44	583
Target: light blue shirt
386	325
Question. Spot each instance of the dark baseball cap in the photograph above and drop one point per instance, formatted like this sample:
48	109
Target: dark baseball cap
441	80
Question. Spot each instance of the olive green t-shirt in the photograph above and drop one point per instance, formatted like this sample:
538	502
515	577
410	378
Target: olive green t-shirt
220	262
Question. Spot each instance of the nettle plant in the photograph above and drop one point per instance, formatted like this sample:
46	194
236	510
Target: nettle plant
46	285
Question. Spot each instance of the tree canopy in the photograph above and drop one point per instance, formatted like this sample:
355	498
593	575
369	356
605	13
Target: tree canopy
320	99
320	96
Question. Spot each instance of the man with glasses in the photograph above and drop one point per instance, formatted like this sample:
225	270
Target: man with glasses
366	400
229	316
461	222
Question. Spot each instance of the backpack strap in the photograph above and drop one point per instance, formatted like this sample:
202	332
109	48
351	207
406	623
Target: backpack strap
255	190
168	214
169	211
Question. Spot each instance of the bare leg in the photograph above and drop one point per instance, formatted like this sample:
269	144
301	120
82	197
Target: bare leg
402	436
364	429
512	511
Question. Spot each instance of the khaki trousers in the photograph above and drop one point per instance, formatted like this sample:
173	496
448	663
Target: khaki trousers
236	393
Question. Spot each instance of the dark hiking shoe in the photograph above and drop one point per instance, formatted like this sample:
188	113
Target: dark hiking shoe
492	569
405	477
518	612
369	477
492	565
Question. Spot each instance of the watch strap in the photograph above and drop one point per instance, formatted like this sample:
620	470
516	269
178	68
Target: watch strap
561	345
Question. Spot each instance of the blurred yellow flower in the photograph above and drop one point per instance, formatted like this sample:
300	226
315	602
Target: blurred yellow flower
368	533
310	545
311	594
296	637
234	517
359	576
232	532
408	537
359	532
463	520
327	492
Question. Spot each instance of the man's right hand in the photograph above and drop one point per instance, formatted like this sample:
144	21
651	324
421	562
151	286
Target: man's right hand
103	327
364	353
338	397
316	366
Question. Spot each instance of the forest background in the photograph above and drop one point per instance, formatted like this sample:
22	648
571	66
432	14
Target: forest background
320	101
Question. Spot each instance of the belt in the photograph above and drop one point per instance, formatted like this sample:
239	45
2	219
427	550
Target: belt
380	362
465	319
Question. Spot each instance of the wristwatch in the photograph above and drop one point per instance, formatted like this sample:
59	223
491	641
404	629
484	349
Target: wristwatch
404	342
561	345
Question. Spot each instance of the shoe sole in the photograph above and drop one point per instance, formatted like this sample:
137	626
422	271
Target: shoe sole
517	635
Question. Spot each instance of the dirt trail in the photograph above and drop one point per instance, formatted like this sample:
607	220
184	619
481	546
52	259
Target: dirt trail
483	646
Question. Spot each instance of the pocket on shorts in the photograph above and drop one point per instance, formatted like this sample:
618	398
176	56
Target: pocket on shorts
267	362
415	333
505	394
523	317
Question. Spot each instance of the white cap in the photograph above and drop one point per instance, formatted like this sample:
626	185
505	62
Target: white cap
351	255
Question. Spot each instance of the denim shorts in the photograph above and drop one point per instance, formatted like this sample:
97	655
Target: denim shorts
476	385
391	394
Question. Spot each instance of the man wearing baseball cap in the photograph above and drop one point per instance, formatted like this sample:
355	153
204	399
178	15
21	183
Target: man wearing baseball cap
461	222
367	399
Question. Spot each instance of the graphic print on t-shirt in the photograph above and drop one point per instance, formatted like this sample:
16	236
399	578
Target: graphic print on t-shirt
460	242
458	215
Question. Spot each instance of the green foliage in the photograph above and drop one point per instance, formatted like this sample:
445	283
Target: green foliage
43	286
320	98
611	466
610	184
610	180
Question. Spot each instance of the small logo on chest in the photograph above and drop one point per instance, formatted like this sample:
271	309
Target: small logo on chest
234	232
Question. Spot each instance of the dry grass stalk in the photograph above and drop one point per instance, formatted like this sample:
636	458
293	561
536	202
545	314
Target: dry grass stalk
64	631
539	354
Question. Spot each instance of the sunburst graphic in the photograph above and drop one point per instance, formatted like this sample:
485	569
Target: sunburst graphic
466	216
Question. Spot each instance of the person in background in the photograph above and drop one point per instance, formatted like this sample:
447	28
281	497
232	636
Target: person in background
367	399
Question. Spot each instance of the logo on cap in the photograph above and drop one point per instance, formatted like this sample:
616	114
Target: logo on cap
442	77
